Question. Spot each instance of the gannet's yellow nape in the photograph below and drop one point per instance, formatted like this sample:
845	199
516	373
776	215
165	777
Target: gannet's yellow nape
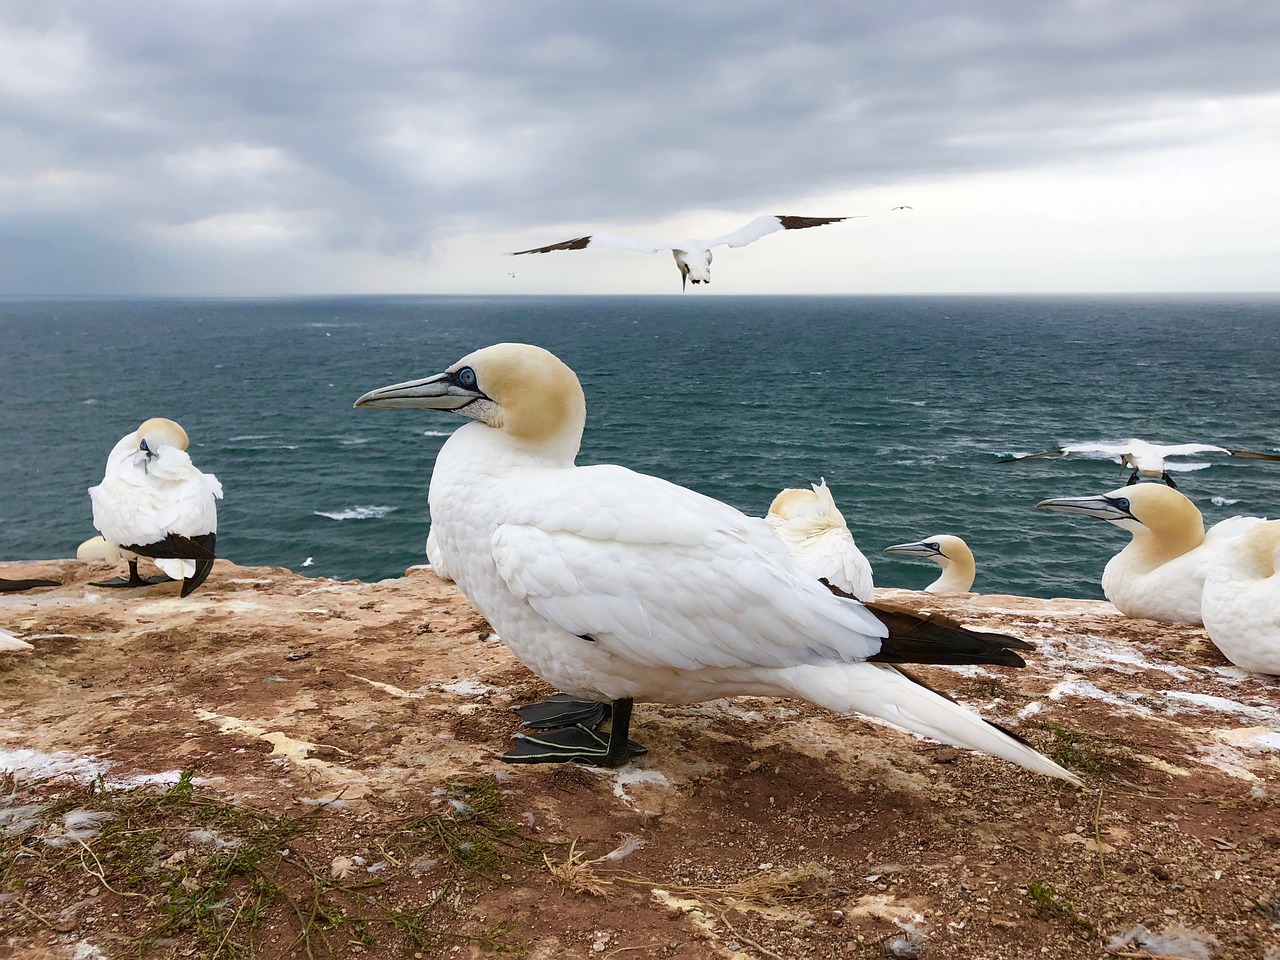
815	532
1160	574
1241	602
615	586
153	502
950	553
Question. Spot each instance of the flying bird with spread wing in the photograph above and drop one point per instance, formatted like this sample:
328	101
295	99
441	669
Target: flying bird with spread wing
693	257
1145	459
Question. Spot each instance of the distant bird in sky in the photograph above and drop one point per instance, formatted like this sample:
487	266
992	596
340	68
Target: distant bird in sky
153	502
511	275
1146	459
815	532
903	207
950	553
693	257
617	586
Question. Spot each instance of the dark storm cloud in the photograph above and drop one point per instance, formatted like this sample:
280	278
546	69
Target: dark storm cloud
385	126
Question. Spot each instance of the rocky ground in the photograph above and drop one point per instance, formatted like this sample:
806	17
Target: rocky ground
285	767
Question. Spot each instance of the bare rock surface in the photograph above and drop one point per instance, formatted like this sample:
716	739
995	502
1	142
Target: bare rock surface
342	794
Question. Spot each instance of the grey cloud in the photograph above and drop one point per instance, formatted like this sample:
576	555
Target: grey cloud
384	126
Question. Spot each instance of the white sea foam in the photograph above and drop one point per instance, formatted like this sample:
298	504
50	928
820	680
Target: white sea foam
1185	467
251	436
355	441
356	513
1223	501
437	433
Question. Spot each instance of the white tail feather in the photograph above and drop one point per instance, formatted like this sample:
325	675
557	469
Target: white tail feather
11	642
878	690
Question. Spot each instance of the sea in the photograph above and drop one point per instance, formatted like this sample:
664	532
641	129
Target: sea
904	404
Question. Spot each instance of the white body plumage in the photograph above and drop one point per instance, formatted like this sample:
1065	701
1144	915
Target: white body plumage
1241	601
815	532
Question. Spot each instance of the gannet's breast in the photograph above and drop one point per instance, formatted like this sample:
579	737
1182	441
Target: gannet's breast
610	584
1241	603
143	499
1170	592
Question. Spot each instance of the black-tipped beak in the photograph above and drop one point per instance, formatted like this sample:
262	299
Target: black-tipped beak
435	393
1102	508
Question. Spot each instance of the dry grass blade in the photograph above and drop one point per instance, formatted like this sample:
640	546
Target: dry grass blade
578	874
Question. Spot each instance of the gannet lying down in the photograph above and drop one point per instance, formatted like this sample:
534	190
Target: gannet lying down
693	257
12	643
1160	575
153	502
950	553
1146	459
808	522
1241	601
612	585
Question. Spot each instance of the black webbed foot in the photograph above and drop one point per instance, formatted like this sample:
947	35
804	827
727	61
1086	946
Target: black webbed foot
563	710
578	744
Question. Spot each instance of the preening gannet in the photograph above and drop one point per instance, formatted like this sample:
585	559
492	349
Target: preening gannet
1160	575
153	502
12	643
950	553
613	585
1241	602
693	257
1146	459
808	522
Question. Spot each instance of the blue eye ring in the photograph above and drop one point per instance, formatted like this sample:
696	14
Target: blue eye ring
1123	504
466	377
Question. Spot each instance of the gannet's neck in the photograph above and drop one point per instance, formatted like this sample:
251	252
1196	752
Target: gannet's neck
957	576
1154	545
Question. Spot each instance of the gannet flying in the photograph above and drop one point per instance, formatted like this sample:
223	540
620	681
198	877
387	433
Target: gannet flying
12	643
950	553
693	257
1241	601
153	502
1146	459
808	522
613	585
1160	575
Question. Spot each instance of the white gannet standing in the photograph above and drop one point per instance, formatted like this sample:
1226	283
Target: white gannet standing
153	502
613	585
12	643
693	257
1241	601
434	558
1145	459
808	522
1160	575
950	553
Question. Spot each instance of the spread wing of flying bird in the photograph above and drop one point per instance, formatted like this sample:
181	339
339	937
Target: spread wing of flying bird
1146	459
693	257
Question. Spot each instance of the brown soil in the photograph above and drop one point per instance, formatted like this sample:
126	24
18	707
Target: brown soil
344	796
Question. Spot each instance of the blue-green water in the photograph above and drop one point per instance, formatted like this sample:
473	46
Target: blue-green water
904	404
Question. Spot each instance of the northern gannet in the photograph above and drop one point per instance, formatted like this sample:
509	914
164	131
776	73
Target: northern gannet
613	585
1160	575
12	643
693	257
1146	459
153	502
808	522
950	553
1241	601
434	558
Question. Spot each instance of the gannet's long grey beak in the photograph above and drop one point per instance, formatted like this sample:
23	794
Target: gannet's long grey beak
437	393
917	549
1103	508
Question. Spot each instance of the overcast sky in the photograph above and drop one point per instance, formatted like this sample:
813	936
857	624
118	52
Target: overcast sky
330	146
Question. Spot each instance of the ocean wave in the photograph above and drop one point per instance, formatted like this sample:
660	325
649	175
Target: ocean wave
356	513
912	403
1221	501
251	436
437	433
355	441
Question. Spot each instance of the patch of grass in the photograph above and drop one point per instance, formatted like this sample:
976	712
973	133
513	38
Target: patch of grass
1079	752
1048	903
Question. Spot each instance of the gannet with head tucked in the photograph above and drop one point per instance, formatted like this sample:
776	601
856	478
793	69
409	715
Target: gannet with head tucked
1145	459
613	585
693	257
1160	575
153	502
1241	601
808	522
950	553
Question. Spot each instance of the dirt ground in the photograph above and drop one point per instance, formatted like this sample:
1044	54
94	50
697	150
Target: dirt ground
284	767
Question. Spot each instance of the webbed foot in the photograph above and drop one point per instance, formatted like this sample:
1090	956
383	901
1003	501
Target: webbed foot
563	710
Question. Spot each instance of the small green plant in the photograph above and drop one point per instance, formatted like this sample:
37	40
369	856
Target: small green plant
1048	904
